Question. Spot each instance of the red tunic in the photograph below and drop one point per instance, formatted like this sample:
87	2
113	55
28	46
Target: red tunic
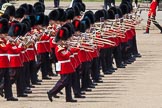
4	62
73	61
82	55
78	62
47	43
52	45
31	52
98	35
14	56
153	6
63	57
22	54
95	53
75	53
129	34
26	56
113	39
126	37
108	45
41	45
89	56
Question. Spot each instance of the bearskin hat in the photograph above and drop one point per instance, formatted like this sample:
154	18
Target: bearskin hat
39	7
111	14
26	7
31	9
124	8
54	15
129	5
3	25
87	22
70	28
32	19
90	15
39	3
20	12
62	34
27	22
98	15
45	21
83	26
105	14
39	19
70	13
10	10
24	29
119	11
114	9
77	10
62	15
15	29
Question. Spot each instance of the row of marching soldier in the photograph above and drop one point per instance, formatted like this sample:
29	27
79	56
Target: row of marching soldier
79	43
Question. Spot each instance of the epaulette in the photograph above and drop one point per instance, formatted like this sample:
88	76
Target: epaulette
60	48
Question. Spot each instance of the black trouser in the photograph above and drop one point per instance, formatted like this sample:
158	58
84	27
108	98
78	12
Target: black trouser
130	49
95	69
64	81
48	62
134	47
53	60
89	80
53	55
18	79
45	63
102	60
154	22
33	72
109	58
106	58
56	3
123	50
76	81
27	74
85	75
126	50
4	73
117	55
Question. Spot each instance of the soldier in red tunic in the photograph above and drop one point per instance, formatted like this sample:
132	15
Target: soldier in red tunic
152	15
63	57
4	63
16	64
42	47
53	23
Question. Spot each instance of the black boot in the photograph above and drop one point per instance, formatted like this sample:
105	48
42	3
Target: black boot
49	96
71	100
79	96
12	99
